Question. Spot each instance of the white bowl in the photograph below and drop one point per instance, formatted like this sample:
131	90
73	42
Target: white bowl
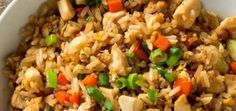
17	13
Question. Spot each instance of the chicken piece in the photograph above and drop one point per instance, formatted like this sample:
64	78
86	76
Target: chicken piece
34	104
153	21
181	104
71	28
95	64
76	44
227	26
33	80
230	81
18	100
206	98
128	103
66	10
110	18
155	7
187	12
111	94
119	63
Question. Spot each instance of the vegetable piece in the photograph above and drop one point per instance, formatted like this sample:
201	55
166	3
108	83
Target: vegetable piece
175	55
161	70
115	5
62	79
175	51
158	57
172	61
144	46
51	40
233	66
47	108
132	78
108	105
66	10
162	43
75	99
222	66
81	76
231	47
51	78
169	77
93	2
140	53
90	80
95	93
152	95
62	96
131	55
103	79
140	81
185	86
121	82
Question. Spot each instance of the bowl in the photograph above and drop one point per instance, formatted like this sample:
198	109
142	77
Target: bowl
17	13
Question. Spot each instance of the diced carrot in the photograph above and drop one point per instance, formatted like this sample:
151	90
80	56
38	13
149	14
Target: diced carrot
62	96
162	43
62	79
140	53
233	66
185	86
115	5
90	80
75	99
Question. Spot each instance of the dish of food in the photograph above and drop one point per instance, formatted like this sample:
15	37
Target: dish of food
112	55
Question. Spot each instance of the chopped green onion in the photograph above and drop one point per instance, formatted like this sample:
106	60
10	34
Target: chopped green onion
93	2
231	47
121	82
175	55
142	64
222	66
169	77
131	55
140	81
108	105
144	46
81	76
51	40
175	51
158	56
152	95
103	79
132	78
161	70
172	61
51	78
95	93
47	108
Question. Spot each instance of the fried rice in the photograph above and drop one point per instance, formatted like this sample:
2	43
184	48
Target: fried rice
124	55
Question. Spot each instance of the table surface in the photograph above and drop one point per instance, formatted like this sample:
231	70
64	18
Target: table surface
3	4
